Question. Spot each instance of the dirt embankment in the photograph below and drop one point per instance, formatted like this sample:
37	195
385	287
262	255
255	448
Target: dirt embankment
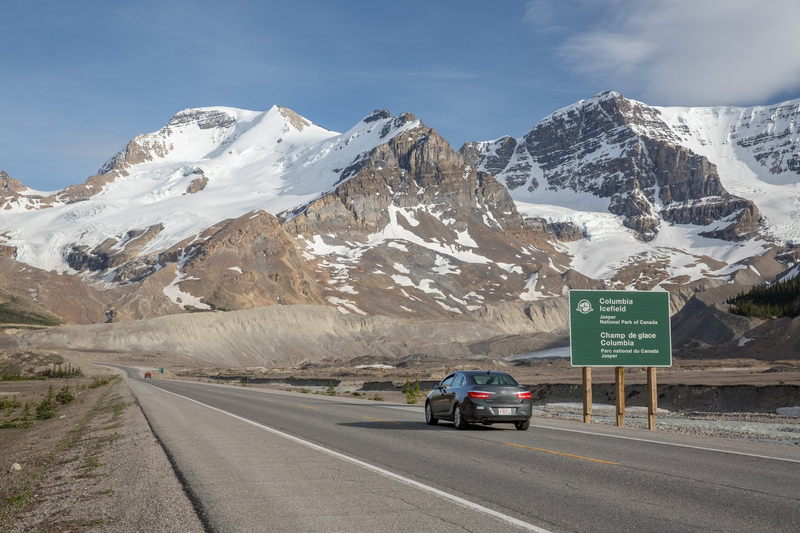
296	334
705	398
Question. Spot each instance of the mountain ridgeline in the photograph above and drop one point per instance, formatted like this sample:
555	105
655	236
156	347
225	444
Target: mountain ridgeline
225	209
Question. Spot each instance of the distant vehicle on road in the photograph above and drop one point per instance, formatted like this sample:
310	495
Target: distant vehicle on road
148	375
479	396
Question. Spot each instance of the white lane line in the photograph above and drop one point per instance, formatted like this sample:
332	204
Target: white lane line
668	444
386	473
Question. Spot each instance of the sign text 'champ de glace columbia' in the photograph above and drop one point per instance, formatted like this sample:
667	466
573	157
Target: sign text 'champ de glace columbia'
620	328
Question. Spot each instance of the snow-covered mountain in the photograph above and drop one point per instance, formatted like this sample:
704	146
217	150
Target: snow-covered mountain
226	209
685	180
204	166
229	209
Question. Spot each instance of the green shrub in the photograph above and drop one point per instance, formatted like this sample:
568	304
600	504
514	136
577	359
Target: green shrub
64	396
412	392
98	382
26	411
13	403
45	410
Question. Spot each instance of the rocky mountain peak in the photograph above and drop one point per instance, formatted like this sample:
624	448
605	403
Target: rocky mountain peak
378	114
397	123
9	185
13	194
297	121
620	149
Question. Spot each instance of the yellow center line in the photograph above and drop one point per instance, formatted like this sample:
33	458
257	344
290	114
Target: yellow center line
306	406
380	420
560	453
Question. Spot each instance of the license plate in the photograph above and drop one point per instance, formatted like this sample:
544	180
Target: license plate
506	411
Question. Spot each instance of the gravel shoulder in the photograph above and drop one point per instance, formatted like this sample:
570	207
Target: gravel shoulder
96	466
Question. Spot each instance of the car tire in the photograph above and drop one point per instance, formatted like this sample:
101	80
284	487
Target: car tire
429	418
458	418
523	425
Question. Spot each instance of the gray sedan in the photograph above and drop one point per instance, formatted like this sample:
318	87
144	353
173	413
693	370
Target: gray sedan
479	396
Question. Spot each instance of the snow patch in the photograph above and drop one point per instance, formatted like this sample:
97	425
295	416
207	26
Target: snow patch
344	306
743	341
178	297
400	268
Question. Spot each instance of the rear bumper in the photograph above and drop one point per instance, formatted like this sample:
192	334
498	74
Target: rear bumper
491	413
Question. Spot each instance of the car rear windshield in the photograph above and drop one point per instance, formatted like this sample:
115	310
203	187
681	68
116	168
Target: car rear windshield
494	379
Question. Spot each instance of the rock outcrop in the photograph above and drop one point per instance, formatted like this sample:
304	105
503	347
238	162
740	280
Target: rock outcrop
14	193
112	253
618	149
416	168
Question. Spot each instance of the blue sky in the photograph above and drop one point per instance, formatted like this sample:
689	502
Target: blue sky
81	78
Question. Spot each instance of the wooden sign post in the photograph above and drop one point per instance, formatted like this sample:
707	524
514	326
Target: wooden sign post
587	394
652	398
619	373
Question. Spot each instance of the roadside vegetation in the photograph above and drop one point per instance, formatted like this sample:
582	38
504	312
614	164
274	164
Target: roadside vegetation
76	448
779	299
16	414
412	392
33	365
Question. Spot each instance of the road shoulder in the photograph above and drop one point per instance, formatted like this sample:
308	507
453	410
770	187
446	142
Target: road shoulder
105	472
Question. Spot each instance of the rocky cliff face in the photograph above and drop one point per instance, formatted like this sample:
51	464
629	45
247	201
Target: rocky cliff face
412	230
772	135
618	149
414	170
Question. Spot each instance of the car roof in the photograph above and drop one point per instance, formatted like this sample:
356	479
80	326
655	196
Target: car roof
483	372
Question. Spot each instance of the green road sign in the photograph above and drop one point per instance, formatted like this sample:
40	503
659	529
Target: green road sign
619	328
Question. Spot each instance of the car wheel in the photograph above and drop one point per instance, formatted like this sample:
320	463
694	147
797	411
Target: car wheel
522	426
429	418
458	418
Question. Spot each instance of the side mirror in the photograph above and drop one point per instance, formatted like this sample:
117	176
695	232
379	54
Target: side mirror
435	386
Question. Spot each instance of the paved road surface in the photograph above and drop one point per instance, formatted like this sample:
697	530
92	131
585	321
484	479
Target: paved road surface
259	460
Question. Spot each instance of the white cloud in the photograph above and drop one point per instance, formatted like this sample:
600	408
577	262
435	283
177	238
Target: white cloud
679	52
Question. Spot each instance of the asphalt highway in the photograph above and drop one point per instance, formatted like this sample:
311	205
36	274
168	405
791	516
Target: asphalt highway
265	460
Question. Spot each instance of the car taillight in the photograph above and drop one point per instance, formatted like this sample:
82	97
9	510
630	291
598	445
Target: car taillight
479	394
524	395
